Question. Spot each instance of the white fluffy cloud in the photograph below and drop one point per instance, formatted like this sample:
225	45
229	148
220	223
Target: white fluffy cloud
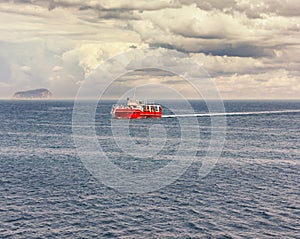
267	85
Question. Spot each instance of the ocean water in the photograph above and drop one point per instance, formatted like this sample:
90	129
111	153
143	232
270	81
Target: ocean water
253	191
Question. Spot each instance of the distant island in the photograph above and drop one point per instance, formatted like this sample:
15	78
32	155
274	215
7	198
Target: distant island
33	94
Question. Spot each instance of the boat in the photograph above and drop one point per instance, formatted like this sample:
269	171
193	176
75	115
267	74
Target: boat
136	110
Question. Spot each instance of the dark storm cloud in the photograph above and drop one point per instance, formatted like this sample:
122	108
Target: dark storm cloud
118	14
148	72
167	46
211	4
241	50
152	72
115	5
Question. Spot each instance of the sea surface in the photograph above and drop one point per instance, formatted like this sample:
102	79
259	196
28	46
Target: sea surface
253	190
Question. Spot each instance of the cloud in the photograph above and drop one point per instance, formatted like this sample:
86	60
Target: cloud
26	69
259	9
162	59
252	8
102	5
33	65
116	5
89	55
57	68
4	69
191	29
219	65
60	42
269	85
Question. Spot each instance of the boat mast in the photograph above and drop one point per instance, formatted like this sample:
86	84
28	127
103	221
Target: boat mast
134	93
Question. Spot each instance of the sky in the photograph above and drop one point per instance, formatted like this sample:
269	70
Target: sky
250	48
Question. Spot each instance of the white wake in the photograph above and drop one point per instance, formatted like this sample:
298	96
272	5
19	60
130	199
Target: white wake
232	113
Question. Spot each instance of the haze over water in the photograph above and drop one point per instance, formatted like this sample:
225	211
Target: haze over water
252	192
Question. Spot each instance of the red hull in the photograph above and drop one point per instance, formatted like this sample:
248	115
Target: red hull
136	114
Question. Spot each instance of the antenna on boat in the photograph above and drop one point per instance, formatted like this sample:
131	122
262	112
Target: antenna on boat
134	93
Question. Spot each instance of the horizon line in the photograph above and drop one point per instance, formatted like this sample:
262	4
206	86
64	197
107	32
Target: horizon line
116	99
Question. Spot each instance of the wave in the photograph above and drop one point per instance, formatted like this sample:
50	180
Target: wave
232	113
54	108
